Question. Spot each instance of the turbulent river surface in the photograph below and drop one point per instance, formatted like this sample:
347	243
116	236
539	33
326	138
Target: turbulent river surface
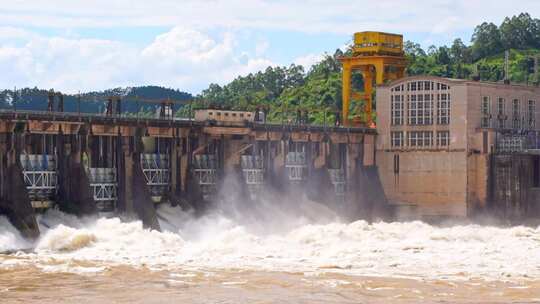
270	255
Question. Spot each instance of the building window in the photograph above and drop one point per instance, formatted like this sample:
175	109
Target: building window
501	110
427	85
516	114
420	85
413	86
420	109
397	139
531	112
396	163
428	110
486	112
420	138
397	110
412	107
443	109
443	138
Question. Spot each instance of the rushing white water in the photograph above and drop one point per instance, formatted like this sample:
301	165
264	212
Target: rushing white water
219	241
10	239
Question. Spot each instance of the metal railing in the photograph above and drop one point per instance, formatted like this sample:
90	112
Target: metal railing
130	117
126	116
518	143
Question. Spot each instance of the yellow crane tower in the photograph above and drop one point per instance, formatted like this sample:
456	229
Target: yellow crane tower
378	56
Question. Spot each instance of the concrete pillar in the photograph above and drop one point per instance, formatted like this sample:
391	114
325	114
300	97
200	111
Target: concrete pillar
368	89
15	203
75	195
175	166
3	164
184	164
134	197
379	70
125	174
346	91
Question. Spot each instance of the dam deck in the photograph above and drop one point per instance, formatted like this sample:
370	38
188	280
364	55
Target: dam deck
131	120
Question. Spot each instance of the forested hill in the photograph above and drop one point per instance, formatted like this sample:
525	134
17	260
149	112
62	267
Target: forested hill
319	88
91	102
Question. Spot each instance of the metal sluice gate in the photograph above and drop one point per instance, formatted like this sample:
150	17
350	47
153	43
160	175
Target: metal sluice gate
41	178
337	178
296	165
156	170
104	186
205	172
253	172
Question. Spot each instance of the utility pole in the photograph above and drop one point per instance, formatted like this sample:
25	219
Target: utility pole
79	103
506	66
536	61
14	100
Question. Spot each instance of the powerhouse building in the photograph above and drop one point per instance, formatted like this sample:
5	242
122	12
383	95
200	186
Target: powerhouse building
456	148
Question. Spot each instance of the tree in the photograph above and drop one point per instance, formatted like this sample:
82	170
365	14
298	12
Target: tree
459	52
413	50
486	41
517	32
442	55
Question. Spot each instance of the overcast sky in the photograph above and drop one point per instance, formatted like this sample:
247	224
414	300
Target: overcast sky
88	45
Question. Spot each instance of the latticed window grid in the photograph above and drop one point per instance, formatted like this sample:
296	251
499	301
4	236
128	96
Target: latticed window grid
397	139
397	109
501	113
443	109
486	112
420	139
516	114
443	138
531	114
420	109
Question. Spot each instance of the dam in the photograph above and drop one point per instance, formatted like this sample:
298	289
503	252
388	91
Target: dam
114	163
438	149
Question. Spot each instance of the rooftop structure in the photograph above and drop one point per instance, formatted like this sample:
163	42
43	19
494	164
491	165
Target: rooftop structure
379	57
371	43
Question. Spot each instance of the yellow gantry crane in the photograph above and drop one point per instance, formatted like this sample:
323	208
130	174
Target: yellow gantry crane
379	57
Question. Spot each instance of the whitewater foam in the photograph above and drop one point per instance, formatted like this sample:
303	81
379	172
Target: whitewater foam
10	238
412	249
